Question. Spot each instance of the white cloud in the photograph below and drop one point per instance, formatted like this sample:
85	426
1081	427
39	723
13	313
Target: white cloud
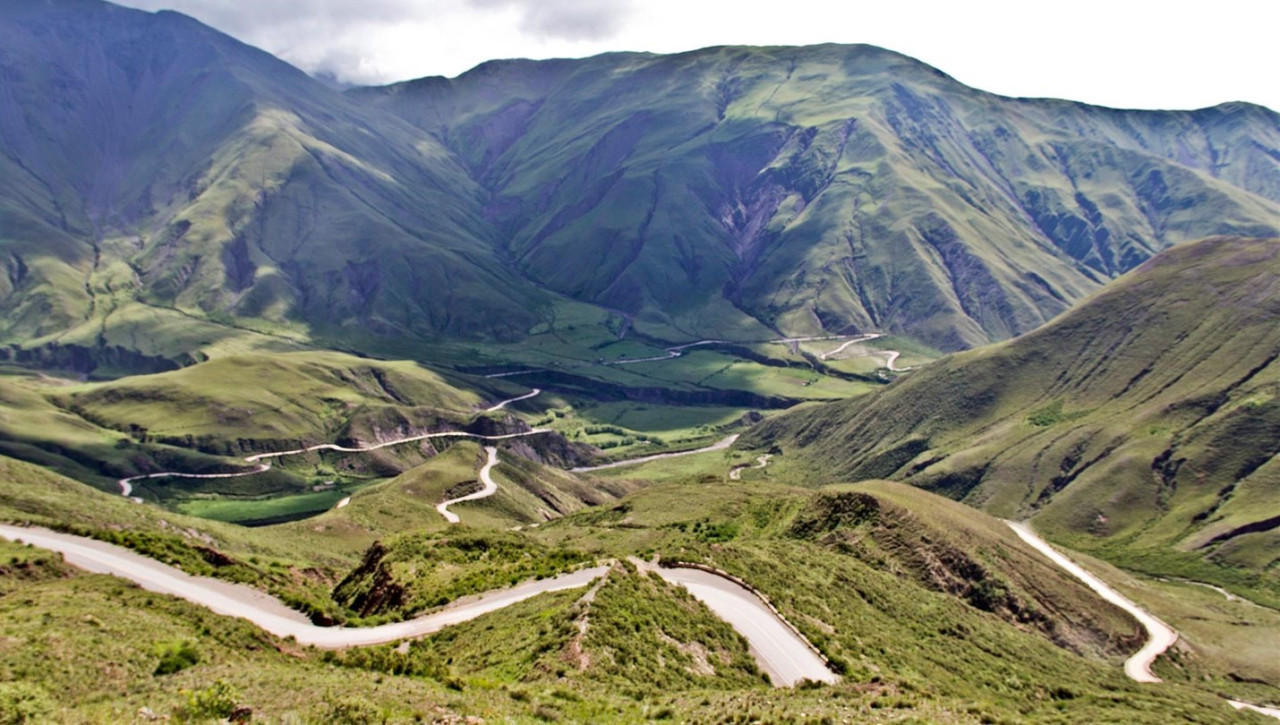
571	20
1128	54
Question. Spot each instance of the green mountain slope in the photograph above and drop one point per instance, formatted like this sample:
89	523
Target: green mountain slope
1143	425
168	192
158	171
833	187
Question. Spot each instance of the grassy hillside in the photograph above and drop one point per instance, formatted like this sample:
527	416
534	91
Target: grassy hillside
932	610
206	417
167	193
160	170
1141	426
832	187
306	396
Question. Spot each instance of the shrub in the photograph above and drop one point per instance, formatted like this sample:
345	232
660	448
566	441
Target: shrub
1048	415
176	657
22	702
215	702
352	710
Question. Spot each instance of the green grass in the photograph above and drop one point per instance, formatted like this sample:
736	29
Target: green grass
666	421
296	396
1140	427
1226	643
865	590
415	572
276	509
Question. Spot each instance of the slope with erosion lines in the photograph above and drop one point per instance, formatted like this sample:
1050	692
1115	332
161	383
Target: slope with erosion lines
1148	415
183	173
163	177
833	188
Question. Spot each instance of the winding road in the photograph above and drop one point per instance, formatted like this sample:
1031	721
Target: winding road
782	653
237	600
861	338
735	473
126	484
678	350
719	446
675	351
890	356
778	649
1160	636
490	488
499	406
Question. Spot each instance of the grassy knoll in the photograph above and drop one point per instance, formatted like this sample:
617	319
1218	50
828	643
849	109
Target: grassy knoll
276	509
416	572
293	396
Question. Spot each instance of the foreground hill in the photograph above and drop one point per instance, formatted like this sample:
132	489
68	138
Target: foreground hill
168	193
1143	425
932	610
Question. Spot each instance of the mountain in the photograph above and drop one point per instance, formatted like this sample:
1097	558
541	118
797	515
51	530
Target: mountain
836	188
1142	425
159	174
168	193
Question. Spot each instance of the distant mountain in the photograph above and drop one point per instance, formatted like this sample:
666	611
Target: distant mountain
1146	420
164	187
837	188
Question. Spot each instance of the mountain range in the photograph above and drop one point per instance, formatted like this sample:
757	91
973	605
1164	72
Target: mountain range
166	189
665	384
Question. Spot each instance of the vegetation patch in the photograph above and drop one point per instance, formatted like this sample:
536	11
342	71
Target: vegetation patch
420	571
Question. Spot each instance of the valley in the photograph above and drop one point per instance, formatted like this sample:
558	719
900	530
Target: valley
744	384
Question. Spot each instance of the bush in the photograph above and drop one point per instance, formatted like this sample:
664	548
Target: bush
352	710
215	702
1050	414
176	657
22	702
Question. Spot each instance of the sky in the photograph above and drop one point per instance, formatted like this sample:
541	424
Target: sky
1121	53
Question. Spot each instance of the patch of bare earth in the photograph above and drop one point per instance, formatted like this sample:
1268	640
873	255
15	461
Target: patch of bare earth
574	653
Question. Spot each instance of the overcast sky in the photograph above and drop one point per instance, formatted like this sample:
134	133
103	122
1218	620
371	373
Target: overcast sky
1125	53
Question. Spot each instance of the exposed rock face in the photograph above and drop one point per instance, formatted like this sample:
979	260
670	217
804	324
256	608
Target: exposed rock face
371	587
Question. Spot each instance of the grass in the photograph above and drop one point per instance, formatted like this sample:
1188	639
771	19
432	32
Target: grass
1225	642
857	587
277	509
1147	442
294	396
414	572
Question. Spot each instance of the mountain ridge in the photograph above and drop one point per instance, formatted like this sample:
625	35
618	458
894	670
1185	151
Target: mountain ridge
1140	426
714	193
